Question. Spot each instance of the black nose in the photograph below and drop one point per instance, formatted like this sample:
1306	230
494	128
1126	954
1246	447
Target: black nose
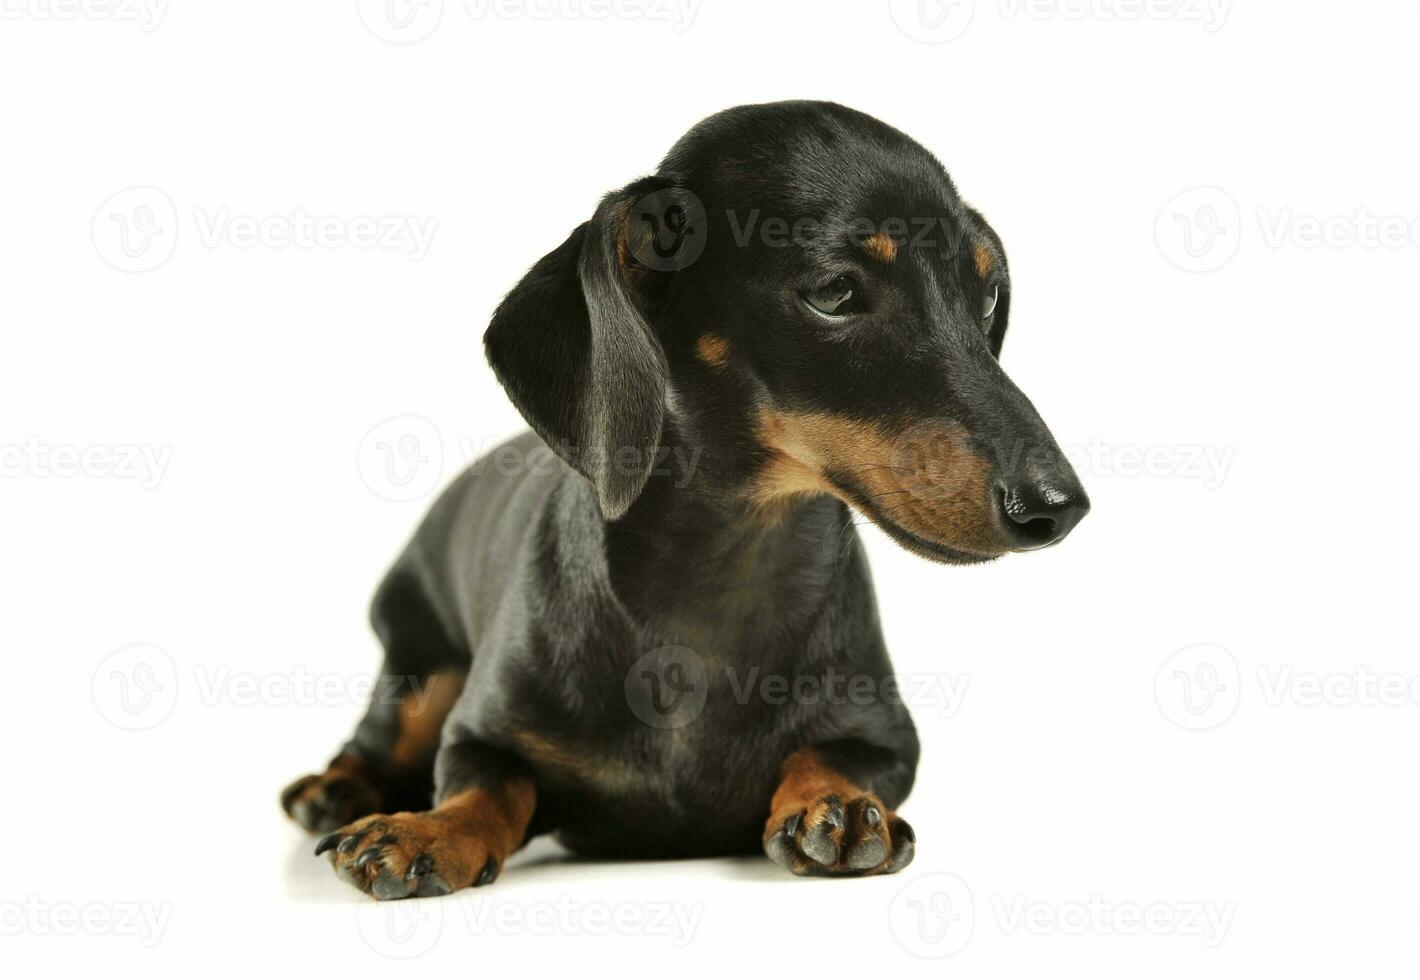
1040	511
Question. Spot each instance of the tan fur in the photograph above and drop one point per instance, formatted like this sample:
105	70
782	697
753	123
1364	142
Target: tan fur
805	780
467	836
813	790
713	350
881	247
924	477
982	256
566	762
491	820
421	718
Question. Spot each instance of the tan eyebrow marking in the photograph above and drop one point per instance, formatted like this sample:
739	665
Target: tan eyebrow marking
713	350
880	247
982	255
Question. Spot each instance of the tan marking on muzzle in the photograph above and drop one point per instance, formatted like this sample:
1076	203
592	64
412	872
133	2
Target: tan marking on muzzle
923	477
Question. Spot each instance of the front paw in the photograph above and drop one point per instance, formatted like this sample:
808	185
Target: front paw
321	803
410	854
827	836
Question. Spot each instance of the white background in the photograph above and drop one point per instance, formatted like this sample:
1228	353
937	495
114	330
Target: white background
1242	401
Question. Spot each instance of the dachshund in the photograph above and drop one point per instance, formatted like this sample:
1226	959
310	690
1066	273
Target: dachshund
647	626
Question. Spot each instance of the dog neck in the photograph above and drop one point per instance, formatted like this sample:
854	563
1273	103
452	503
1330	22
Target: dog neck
698	545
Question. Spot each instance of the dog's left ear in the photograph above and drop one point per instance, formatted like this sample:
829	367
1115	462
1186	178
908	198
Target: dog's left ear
572	346
997	334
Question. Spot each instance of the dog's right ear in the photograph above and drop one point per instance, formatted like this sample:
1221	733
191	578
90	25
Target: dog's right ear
572	347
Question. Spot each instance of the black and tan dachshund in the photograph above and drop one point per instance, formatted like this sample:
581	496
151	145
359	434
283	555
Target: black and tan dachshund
649	627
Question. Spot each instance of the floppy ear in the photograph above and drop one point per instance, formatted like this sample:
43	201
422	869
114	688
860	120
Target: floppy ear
574	351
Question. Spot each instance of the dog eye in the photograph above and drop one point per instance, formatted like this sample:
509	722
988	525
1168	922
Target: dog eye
988	306
838	298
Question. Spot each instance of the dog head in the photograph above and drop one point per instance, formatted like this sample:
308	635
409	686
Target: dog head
801	291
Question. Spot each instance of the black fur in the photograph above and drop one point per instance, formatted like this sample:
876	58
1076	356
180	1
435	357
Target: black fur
549	580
